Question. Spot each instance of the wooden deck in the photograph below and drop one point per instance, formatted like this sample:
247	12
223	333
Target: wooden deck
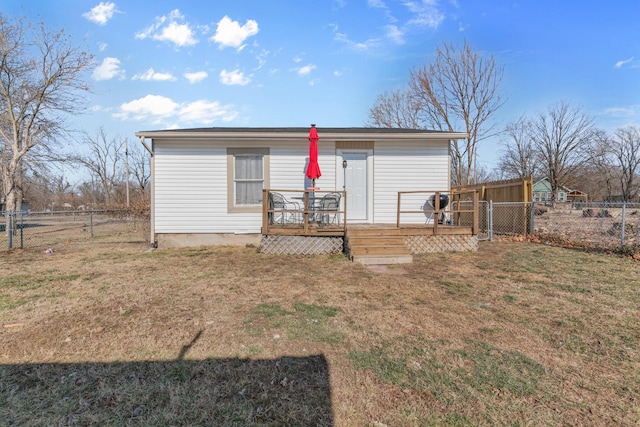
368	229
290	218
313	229
411	229
370	243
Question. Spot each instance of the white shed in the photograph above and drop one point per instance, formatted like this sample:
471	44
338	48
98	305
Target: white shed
204	181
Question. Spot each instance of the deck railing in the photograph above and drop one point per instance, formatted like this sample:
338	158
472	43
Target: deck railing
461	209
303	212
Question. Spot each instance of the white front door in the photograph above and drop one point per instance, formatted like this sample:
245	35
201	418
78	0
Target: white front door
355	183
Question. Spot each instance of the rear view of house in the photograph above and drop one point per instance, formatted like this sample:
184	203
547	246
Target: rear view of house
207	184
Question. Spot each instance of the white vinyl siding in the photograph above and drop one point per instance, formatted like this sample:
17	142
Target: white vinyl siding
408	166
191	181
190	186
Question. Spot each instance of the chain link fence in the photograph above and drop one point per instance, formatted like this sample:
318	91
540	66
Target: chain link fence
601	226
466	219
51	230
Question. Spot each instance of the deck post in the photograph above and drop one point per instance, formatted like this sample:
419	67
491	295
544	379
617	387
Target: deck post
397	212
436	214
305	208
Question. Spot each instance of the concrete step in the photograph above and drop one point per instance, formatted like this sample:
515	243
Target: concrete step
383	259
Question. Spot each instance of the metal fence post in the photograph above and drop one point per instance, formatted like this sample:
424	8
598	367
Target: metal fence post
91	224
10	230
21	231
490	221
624	209
533	217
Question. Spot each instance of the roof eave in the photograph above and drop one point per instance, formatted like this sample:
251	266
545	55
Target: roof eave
262	135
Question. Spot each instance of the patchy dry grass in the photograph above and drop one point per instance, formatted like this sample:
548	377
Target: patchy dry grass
515	334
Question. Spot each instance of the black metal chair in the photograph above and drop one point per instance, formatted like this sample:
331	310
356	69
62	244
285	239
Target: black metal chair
329	207
282	210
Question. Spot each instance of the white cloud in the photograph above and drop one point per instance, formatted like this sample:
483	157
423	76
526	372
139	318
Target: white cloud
337	73
368	45
377	4
170	29
159	109
151	75
306	70
150	107
234	77
426	13
179	34
196	77
623	112
394	34
624	62
109	69
102	46
262	58
206	112
231	34
102	13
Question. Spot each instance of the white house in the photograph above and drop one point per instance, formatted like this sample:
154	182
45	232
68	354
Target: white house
206	183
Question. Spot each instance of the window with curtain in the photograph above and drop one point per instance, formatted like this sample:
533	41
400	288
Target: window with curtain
248	179
247	175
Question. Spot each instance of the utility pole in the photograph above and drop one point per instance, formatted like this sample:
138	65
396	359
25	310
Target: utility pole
126	163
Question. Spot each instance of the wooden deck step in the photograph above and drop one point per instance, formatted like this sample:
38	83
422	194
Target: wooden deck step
380	246
376	240
379	250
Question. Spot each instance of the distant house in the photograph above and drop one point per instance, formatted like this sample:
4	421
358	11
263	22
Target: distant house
206	184
542	192
576	196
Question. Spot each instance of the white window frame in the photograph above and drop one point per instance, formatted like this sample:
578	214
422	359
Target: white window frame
231	177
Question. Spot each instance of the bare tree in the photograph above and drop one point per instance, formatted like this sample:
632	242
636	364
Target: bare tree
625	149
103	161
90	193
139	169
599	170
40	82
459	91
559	136
519	158
397	109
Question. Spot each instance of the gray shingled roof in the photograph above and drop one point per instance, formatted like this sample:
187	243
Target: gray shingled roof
293	130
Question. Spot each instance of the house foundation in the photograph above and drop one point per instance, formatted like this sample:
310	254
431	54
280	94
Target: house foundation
181	240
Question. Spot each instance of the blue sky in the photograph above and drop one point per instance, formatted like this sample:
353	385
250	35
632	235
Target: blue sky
178	64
